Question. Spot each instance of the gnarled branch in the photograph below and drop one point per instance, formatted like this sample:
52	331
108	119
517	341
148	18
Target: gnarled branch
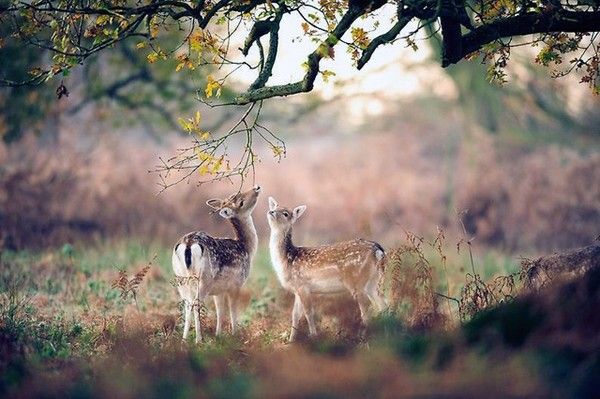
525	24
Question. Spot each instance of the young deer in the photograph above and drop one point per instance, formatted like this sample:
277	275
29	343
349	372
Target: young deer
355	266
217	266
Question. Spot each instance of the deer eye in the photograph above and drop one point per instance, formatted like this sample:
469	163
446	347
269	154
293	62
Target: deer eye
286	214
242	203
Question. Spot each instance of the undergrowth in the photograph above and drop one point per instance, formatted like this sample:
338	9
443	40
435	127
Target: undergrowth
95	322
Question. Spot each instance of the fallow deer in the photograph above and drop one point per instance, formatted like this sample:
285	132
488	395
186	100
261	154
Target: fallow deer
355	266
217	266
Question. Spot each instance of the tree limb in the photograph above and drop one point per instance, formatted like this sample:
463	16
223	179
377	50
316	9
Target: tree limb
306	84
385	38
525	24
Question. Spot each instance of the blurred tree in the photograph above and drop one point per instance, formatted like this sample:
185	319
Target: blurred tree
538	107
151	94
23	105
73	31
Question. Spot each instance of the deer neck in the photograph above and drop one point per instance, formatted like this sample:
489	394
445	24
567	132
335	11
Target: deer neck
281	244
245	233
282	252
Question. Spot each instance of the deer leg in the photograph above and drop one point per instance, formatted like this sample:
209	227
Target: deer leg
309	311
233	309
187	311
202	290
220	308
376	298
296	315
363	305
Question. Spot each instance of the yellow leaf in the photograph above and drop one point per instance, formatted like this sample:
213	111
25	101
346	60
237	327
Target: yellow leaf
102	20
152	57
140	45
203	170
278	151
360	37
153	29
203	156
185	125
217	165
212	85
326	75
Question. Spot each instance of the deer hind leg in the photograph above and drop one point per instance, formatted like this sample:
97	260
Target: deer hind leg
187	311
359	293
296	315
201	292
372	291
185	294
363	304
220	310
234	304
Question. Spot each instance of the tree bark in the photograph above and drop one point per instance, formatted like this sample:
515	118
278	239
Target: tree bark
564	266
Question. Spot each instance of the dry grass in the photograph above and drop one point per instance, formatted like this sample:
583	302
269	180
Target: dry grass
539	200
65	330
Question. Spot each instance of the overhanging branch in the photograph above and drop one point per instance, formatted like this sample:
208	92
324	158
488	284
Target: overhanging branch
525	24
306	84
403	19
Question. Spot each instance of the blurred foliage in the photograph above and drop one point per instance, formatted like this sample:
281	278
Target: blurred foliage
23	107
530	110
121	83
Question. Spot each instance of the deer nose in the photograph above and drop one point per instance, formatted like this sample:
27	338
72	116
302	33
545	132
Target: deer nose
257	188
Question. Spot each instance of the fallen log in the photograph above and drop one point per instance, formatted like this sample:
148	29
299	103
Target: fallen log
542	271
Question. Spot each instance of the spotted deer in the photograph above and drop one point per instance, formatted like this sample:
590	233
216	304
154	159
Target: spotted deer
355	266
217	266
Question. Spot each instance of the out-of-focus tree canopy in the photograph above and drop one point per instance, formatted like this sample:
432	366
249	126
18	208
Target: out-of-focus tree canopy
174	37
122	77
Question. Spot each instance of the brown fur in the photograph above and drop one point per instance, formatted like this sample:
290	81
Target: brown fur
218	267
355	266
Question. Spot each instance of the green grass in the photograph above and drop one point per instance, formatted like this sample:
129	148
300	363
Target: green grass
65	331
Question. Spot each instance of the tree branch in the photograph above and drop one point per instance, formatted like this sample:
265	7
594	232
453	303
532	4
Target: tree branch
525	24
267	68
306	84
385	38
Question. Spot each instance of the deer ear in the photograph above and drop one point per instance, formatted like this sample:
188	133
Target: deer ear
272	204
214	203
298	211
226	212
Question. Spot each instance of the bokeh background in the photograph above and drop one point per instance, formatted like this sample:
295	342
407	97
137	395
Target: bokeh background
403	153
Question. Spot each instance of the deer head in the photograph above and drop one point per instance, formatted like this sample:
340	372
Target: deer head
237	205
281	219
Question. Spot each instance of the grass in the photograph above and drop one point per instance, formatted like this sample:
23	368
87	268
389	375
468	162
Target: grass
66	330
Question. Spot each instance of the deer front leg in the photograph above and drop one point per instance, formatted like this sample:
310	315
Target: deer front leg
309	311
296	315
220	309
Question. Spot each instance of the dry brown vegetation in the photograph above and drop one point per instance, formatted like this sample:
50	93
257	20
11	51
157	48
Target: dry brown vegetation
70	325
369	185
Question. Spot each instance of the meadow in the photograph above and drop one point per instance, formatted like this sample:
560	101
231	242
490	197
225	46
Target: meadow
69	328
